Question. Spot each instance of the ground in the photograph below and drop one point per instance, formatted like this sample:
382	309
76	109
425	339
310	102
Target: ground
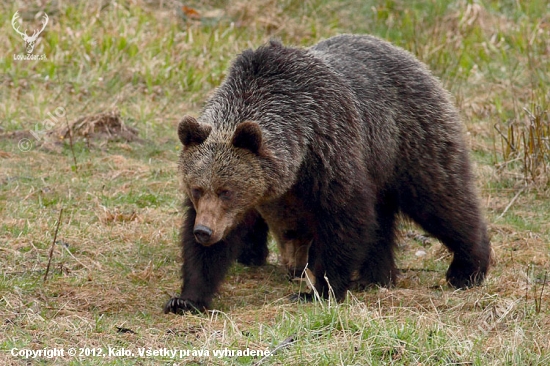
124	73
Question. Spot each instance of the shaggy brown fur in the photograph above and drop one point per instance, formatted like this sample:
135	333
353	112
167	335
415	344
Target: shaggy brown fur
327	145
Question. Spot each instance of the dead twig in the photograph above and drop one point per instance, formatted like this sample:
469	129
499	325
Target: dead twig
285	343
70	131
53	245
511	203
538	301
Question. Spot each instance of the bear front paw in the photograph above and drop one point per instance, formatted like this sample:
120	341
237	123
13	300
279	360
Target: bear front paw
463	276
177	305
301	297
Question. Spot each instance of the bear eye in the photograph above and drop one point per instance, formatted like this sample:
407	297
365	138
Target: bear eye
196	193
225	194
290	234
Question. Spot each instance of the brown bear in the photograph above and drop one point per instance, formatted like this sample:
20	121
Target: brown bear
326	146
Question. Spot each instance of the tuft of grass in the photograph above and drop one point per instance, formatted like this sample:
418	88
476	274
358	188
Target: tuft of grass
527	145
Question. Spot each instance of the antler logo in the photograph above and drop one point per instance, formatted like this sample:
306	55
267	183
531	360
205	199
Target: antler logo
29	40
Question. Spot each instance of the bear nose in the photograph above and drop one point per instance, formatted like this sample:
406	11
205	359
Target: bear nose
202	233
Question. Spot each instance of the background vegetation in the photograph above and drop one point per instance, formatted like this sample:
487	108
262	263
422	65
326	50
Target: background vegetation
116	259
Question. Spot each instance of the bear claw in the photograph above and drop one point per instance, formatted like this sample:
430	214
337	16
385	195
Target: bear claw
177	305
463	276
465	282
301	297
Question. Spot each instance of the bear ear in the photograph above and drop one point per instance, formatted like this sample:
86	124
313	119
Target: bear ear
248	136
192	132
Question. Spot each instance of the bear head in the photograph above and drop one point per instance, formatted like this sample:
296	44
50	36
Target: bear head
222	175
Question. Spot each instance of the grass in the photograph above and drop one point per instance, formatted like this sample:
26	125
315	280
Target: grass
116	259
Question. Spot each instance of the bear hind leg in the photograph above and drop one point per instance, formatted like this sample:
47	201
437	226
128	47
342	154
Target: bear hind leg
455	218
467	270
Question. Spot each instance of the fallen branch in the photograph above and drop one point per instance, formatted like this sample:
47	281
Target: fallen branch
70	131
511	203
286	343
53	245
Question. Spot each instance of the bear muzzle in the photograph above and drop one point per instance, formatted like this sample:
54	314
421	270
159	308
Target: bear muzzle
202	234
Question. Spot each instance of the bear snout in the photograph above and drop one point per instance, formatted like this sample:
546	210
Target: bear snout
202	234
